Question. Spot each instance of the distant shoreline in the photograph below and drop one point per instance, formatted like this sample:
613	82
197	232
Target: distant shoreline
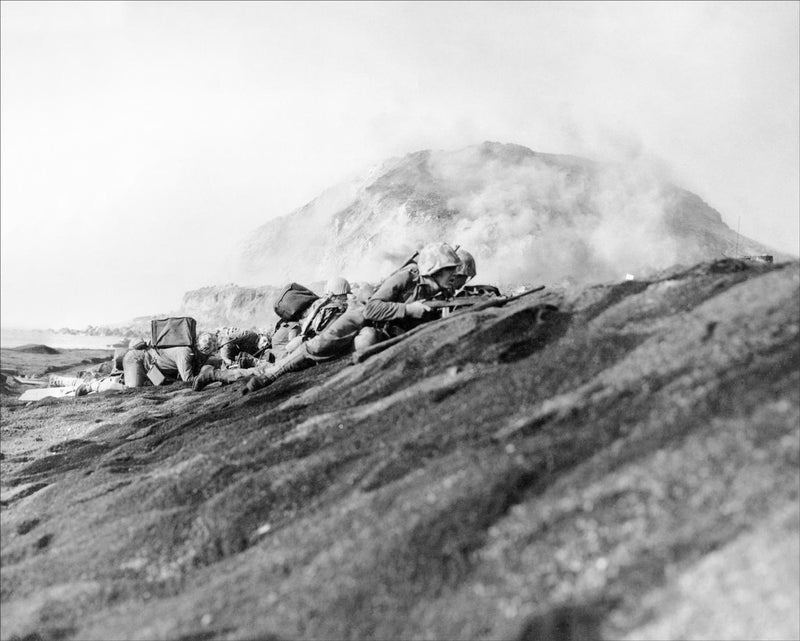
14	337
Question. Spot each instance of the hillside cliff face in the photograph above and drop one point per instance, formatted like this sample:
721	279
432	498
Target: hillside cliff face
232	306
614	461
527	217
235	306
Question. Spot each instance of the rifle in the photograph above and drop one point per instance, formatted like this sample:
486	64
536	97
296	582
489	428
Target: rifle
471	301
476	303
409	260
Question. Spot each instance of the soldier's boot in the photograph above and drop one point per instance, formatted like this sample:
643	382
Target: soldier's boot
210	375
294	362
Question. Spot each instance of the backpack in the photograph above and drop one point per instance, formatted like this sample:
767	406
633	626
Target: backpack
321	314
179	331
293	301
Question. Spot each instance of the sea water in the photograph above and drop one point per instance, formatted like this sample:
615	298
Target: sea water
16	337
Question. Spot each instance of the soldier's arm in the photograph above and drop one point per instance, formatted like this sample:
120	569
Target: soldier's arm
387	303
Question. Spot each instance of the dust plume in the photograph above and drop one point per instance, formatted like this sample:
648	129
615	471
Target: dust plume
526	217
541	221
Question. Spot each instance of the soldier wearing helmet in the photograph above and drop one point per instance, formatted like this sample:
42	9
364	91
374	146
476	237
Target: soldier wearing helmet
173	362
207	343
288	337
337	286
289	334
322	312
396	306
233	342
465	271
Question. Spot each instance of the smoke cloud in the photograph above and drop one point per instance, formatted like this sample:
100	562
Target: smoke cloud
537	221
527	218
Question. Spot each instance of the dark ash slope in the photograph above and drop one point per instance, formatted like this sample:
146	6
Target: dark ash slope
604	468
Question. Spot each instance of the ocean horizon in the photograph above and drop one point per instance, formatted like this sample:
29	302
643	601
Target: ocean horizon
15	337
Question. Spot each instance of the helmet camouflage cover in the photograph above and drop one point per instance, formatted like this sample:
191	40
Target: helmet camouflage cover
207	343
337	286
467	266
436	256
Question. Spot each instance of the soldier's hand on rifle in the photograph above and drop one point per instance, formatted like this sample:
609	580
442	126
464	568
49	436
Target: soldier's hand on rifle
416	309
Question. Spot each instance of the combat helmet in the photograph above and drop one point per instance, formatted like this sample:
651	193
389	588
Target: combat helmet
467	266
207	343
337	286
436	256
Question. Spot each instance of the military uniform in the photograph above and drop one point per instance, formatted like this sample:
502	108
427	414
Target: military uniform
385	310
316	318
315	322
321	314
385	313
174	362
233	341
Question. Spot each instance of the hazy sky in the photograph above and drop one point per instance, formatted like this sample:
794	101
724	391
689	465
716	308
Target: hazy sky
141	141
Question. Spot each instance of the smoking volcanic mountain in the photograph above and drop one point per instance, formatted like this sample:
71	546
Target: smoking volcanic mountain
526	216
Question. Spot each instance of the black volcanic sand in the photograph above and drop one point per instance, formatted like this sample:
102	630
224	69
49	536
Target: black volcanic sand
625	465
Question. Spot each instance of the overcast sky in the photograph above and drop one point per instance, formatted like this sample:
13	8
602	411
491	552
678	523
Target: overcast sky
141	140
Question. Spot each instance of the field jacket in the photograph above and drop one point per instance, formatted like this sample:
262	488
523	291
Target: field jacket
386	308
176	362
233	340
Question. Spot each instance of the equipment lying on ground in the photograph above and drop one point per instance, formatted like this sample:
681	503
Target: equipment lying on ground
21	380
37	394
75	389
465	304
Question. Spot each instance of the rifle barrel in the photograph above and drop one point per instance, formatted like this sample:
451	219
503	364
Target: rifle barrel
530	291
466	301
455	302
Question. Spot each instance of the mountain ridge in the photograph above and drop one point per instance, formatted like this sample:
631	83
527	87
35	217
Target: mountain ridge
526	216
